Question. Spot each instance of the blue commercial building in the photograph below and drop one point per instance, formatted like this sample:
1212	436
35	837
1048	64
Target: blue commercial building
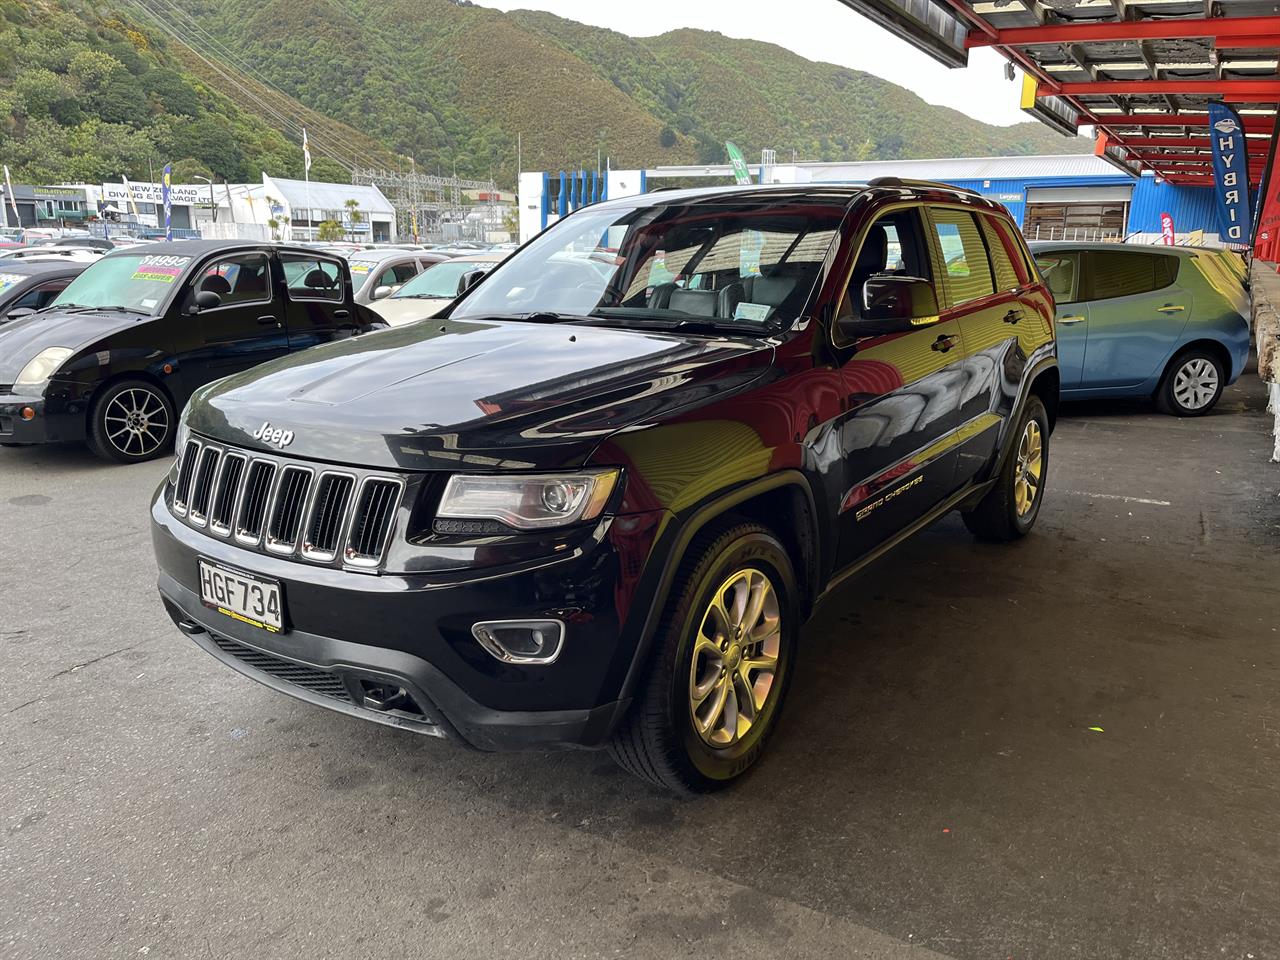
1076	196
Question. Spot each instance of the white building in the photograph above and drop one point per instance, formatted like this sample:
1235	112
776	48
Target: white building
299	208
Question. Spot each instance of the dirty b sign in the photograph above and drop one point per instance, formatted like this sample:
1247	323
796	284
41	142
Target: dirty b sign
1230	173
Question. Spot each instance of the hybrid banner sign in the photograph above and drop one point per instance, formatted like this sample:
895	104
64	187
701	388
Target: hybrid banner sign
1230	173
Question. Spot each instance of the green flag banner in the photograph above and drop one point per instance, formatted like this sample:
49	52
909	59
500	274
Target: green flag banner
740	172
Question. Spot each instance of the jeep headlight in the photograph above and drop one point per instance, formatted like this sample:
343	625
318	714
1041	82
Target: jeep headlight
528	502
43	366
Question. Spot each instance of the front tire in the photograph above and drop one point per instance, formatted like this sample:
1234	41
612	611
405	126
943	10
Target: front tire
131	422
1192	385
1010	508
721	667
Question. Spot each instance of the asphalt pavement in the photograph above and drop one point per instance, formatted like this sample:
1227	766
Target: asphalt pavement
1064	748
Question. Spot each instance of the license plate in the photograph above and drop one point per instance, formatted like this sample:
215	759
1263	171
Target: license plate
245	598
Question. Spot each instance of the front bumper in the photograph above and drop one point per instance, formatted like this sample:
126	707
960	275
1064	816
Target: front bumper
47	426
347	632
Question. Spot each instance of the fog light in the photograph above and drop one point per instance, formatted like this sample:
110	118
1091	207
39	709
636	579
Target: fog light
28	413
521	641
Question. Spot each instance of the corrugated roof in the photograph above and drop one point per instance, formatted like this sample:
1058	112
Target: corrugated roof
332	196
967	168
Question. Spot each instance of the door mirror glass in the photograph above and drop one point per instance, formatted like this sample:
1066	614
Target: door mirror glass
892	304
207	300
383	291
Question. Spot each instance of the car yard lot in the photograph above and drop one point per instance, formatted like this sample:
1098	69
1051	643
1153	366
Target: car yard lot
938	786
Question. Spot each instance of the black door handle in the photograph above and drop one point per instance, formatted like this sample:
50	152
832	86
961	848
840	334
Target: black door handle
944	343
1013	316
268	320
341	314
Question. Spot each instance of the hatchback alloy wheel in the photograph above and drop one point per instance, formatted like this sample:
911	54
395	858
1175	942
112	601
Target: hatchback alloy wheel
137	422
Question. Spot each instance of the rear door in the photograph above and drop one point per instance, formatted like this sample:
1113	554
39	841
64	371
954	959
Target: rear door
903	394
1137	312
318	299
1062	272
981	293
246	328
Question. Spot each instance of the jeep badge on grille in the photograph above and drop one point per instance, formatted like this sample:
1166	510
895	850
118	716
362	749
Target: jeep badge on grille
268	434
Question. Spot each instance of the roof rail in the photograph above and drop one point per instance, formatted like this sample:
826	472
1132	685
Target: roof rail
906	182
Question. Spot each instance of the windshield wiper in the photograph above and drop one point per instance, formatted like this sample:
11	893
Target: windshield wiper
118	309
689	325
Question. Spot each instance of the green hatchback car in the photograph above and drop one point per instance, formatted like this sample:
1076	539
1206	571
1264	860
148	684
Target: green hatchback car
1171	323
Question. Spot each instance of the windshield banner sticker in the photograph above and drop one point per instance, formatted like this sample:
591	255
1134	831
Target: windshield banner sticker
157	274
8	280
360	268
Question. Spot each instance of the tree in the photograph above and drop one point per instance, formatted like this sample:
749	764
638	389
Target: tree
667	138
330	230
354	215
274	226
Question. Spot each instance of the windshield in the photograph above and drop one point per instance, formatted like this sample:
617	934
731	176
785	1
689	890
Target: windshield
361	271
748	263
441	281
139	282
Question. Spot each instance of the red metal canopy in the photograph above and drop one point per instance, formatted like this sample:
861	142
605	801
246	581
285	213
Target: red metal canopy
1140	71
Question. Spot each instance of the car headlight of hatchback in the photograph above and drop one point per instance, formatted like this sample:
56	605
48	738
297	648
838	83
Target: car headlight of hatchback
43	366
528	502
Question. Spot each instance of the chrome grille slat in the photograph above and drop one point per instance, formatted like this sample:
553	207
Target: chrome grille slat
287	508
226	490
372	520
202	488
186	473
284	519
326	517
252	515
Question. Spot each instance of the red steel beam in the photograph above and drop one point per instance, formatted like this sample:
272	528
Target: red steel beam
1267	91
1218	28
1182	143
1252	124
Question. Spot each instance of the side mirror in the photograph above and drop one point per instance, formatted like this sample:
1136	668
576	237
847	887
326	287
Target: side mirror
892	304
469	280
382	291
17	313
207	300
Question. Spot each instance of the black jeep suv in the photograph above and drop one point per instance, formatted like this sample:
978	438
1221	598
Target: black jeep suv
593	503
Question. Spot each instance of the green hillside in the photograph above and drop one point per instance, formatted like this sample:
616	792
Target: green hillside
89	93
451	84
93	90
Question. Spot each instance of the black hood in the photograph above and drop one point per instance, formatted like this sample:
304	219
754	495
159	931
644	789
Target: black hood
22	339
485	395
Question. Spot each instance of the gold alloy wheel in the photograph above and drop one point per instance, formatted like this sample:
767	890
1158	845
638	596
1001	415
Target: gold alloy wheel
735	658
1026	479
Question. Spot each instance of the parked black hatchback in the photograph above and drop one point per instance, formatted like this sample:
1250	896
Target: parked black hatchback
116	355
595	502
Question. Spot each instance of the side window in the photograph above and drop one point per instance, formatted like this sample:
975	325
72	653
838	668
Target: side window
40	297
237	280
1061	272
964	256
310	278
397	275
1006	276
1124	274
1166	271
893	244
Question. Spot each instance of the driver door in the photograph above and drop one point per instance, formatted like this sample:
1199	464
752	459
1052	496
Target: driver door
247	326
902	397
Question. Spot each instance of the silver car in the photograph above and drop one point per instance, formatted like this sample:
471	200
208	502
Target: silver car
376	274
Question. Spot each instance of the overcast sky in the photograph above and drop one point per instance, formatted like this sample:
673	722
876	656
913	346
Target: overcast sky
816	29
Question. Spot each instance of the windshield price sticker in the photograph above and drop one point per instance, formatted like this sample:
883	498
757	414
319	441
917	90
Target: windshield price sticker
757	312
157	274
8	280
360	268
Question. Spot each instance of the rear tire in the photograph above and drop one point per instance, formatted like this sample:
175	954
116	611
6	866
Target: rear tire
1192	385
132	421
1009	510
715	685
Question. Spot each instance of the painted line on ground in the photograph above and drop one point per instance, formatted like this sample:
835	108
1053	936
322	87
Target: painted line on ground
1114	496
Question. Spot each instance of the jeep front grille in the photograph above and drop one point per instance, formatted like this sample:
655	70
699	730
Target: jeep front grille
375	509
287	508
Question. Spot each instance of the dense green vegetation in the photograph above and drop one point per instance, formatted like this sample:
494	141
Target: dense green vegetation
90	91
88	96
451	83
